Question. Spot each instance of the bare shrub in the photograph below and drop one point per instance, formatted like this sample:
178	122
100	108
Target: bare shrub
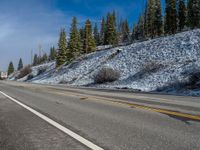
152	66
63	81
194	80
106	75
25	71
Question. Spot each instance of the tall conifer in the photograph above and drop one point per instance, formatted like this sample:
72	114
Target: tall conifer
63	55
96	34
170	17
20	64
158	22
10	68
74	46
181	15
150	18
193	13
89	42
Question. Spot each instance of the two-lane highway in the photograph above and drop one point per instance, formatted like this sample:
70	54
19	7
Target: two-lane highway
112	120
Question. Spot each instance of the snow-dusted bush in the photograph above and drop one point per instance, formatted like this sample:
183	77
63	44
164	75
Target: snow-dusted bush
106	75
63	81
152	66
194	80
25	71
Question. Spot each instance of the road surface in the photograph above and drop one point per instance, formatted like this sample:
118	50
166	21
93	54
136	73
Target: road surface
108	119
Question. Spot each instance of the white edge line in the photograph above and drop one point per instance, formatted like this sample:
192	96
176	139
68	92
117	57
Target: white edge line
57	125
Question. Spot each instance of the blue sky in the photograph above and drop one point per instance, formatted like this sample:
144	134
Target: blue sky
26	24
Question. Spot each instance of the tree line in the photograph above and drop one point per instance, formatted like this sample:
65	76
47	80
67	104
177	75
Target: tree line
178	16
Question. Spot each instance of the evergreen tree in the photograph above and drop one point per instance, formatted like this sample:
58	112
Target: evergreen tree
150	18
158	22
181	15
102	32
75	45
10	68
137	33
44	58
198	13
89	42
20	64
145	21
53	53
82	34
110	31
63	54
96	35
35	60
133	36
193	13
171	17
114	18
140	28
120	31
125	32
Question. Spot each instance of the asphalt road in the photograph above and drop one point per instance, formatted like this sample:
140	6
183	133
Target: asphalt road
114	120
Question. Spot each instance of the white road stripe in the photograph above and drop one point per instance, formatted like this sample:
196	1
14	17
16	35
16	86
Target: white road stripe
57	125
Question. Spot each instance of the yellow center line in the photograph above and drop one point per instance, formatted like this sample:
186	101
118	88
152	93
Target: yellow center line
119	101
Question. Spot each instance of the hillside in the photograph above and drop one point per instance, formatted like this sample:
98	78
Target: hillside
162	64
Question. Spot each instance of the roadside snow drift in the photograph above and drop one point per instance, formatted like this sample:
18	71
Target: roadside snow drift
145	66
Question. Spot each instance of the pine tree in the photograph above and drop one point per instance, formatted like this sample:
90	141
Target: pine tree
89	42
158	22
145	21
181	15
110	31
96	35
138	32
120	31
134	35
44	58
170	17
35	60
10	68
140	28
198	13
75	45
125	32
53	53
193	13
20	64
82	34
63	54
114	18
102	32
150	18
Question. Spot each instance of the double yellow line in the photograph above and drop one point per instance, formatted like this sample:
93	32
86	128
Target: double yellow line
119	101
164	111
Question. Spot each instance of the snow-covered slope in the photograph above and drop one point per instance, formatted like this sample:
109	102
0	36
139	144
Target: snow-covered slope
36	72
145	66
